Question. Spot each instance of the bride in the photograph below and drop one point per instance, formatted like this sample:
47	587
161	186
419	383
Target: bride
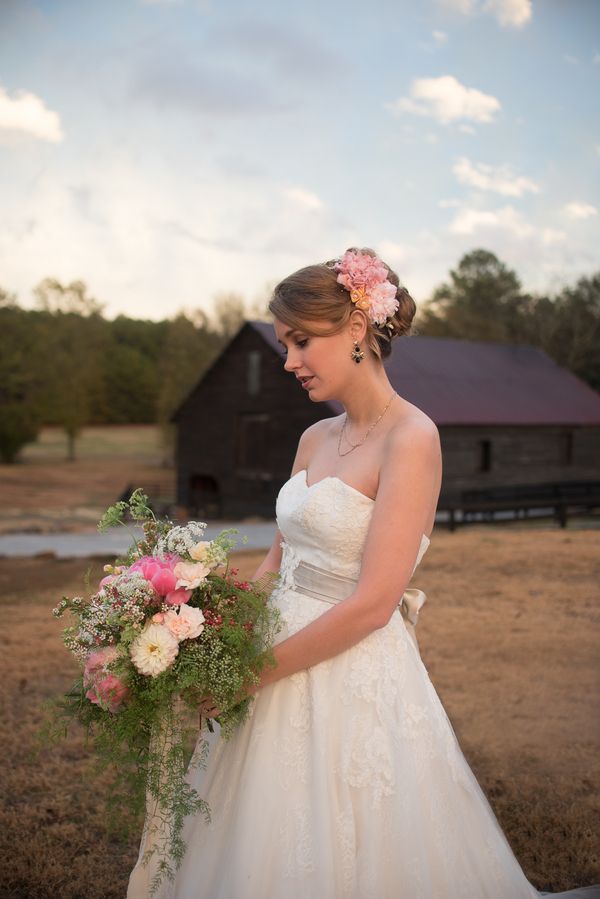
347	779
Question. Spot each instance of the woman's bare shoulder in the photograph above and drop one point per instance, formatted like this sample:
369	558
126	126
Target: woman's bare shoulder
412	424
321	429
312	438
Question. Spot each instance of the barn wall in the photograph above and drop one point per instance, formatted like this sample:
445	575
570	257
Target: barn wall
209	429
249	379
519	455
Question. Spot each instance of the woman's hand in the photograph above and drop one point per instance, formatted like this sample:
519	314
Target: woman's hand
208	707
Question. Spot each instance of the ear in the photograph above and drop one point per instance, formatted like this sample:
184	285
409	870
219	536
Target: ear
357	325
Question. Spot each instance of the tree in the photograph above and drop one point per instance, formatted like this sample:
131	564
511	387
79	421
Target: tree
568	328
229	314
71	352
20	413
53	297
483	301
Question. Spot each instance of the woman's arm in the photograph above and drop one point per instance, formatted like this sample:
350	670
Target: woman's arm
272	561
407	483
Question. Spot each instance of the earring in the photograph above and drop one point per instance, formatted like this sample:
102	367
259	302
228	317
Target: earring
357	354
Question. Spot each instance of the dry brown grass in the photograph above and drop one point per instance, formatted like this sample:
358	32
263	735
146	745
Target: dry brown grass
45	492
510	635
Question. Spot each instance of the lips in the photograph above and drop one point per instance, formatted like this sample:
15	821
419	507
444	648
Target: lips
306	381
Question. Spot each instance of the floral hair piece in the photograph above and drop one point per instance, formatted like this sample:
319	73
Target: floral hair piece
366	277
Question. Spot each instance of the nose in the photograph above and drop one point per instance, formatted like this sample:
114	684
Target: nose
291	362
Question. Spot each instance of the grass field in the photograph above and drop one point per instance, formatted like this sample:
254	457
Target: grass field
510	635
45	492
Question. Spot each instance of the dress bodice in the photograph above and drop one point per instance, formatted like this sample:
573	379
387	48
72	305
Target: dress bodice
326	523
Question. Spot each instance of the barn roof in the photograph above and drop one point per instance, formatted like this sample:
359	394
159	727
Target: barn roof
476	382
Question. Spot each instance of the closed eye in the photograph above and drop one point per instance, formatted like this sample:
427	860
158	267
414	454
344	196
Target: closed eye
301	343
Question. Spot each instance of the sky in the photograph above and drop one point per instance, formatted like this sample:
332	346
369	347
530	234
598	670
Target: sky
168	151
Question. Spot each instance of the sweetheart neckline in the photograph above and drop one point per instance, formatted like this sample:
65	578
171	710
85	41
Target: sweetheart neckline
334	477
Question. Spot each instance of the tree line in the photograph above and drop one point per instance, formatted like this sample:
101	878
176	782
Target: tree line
62	363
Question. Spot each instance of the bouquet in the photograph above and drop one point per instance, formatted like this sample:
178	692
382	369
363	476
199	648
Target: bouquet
168	625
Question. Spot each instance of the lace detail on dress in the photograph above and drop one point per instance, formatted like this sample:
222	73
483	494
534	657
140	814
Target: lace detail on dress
353	763
297	843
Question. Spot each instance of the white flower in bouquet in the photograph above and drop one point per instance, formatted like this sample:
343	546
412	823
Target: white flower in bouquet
154	650
186	624
181	538
190	574
209	552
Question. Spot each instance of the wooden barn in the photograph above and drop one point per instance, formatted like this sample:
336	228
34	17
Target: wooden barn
507	415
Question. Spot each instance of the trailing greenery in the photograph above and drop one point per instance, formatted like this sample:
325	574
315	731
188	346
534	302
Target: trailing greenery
163	630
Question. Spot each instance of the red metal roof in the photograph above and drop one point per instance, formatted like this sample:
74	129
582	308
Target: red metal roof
474	382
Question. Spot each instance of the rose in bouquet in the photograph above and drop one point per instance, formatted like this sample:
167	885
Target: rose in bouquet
168	625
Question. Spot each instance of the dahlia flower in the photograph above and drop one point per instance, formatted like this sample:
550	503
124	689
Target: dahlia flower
154	650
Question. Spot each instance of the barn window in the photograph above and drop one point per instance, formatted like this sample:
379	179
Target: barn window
253	378
566	448
253	442
485	455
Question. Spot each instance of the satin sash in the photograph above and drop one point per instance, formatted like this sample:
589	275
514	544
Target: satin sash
331	587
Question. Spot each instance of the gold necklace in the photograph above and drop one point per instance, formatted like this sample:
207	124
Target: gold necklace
354	445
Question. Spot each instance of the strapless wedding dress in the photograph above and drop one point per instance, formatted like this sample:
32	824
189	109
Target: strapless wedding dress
347	780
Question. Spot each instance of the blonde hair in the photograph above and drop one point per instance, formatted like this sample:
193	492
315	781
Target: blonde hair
313	294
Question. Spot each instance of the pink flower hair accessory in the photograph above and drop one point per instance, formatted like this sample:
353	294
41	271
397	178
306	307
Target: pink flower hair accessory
366	278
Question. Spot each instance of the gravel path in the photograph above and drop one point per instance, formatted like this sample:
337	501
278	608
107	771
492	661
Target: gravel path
115	541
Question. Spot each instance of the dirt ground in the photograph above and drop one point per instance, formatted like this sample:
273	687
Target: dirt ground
510	634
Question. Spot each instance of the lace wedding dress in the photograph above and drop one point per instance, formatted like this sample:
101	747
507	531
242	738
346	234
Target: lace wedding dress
347	780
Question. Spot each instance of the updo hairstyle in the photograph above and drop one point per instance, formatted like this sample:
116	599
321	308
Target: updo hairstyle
314	294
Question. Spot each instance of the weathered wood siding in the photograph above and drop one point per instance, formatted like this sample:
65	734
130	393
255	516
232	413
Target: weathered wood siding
215	421
517	455
238	432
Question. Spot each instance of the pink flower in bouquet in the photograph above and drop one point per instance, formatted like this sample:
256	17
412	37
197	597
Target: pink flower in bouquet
97	661
191	574
108	579
178	597
103	688
109	692
185	624
160	573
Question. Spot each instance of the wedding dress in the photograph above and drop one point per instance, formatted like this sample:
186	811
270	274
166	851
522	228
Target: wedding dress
347	780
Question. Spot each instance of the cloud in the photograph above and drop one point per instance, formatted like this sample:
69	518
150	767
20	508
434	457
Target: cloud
289	53
28	114
580	210
464	7
514	13
446	100
304	198
246	68
170	81
468	221
550	236
393	253
596	59
438	39
497	179
505	222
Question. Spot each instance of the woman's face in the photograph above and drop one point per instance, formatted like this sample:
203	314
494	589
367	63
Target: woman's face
320	363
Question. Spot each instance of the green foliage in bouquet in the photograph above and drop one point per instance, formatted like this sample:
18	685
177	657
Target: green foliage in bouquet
168	625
